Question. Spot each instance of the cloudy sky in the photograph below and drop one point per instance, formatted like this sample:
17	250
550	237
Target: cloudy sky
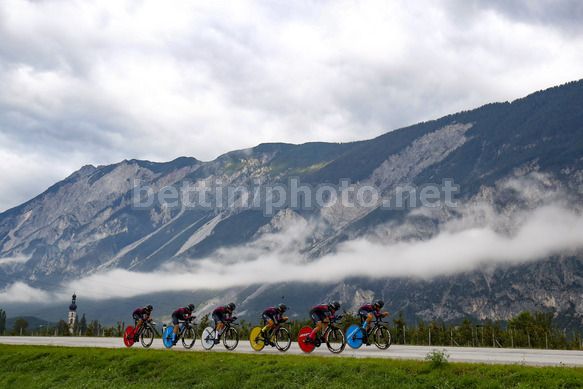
83	83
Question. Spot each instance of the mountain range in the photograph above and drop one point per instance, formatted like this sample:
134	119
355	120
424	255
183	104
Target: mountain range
507	159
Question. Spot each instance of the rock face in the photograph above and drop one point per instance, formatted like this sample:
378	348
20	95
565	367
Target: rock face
89	223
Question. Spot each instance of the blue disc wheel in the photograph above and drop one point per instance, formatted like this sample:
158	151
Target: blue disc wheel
167	337
354	336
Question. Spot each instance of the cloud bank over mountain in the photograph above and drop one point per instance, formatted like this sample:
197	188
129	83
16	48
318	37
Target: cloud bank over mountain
275	258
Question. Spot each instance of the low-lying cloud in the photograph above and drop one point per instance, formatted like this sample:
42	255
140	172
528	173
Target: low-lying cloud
13	260
19	292
275	258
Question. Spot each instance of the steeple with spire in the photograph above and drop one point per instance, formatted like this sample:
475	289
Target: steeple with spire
72	320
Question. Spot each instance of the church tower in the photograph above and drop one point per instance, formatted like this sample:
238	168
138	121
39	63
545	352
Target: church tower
72	321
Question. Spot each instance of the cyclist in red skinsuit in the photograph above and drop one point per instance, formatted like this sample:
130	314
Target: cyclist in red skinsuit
271	317
220	315
321	315
178	315
140	315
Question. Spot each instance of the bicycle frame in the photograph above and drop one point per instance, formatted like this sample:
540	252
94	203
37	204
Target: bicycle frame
334	323
378	322
322	335
152	326
278	326
228	324
186	325
147	324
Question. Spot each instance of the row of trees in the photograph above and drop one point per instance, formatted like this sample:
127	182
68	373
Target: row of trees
83	327
2	321
526	330
19	328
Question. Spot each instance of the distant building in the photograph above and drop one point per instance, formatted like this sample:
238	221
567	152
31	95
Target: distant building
72	321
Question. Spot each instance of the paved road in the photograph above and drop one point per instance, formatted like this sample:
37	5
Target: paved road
457	354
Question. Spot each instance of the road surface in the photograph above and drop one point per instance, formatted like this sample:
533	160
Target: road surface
533	357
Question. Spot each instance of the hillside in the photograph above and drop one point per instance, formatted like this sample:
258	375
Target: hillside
513	157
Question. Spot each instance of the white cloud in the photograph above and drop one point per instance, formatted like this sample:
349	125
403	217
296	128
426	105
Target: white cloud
275	258
13	260
100	82
20	292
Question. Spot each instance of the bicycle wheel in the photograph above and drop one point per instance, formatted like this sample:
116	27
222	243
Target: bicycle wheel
354	336
282	339
302	336
147	337
335	340
230	338
167	337
189	337
128	336
256	340
382	337
208	338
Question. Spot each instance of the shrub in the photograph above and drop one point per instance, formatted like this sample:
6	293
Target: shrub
437	358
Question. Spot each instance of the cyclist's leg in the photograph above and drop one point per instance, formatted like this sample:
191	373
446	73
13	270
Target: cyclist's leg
315	331
176	323
219	325
136	320
369	318
268	321
325	324
366	320
317	318
136	325
363	315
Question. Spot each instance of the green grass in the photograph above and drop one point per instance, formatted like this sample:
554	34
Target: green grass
50	367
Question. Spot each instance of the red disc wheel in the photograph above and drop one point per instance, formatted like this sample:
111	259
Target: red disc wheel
128	336
302	336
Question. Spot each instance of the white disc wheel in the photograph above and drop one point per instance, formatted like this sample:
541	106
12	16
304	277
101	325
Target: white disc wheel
208	338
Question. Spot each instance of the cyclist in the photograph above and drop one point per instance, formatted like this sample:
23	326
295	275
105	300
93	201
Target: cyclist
271	317
181	314
141	315
369	311
220	316
321	315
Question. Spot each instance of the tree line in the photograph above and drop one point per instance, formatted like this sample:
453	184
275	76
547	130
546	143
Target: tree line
83	327
2	322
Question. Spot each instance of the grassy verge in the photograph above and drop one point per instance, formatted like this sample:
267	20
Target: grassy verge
49	367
